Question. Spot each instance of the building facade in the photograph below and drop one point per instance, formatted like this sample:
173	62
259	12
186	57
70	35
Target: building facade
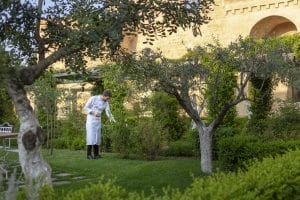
229	20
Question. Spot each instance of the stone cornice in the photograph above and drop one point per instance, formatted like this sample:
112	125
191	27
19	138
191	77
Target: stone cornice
246	7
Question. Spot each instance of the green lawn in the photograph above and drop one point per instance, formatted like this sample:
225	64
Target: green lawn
133	175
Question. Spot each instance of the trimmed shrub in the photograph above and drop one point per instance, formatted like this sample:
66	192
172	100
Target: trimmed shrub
45	193
270	179
99	191
188	145
235	152
180	148
284	123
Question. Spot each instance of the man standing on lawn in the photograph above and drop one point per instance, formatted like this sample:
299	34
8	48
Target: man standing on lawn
94	107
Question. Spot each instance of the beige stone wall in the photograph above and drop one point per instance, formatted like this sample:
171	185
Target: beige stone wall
231	19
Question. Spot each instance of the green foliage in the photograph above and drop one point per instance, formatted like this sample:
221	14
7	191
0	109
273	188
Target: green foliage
47	193
122	136
221	133
293	41
284	123
180	148
270	179
46	97
78	143
264	58
225	131
165	110
107	190
235	152
261	93
150	136
98	31
7	112
113	80
297	49
4	62
71	132
221	82
188	145
98	88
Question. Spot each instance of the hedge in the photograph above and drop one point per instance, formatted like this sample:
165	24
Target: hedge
234	152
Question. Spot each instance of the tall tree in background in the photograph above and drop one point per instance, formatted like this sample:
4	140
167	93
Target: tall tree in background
7	113
69	30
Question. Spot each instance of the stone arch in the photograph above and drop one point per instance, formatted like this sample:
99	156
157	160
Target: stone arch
273	26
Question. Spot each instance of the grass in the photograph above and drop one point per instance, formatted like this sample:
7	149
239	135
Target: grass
133	175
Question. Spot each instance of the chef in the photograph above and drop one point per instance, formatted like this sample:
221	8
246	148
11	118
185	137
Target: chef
93	108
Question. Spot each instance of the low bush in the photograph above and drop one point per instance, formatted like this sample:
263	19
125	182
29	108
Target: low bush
121	136
180	148
270	179
188	145
234	152
150	138
71	132
46	193
99	191
284	123
69	142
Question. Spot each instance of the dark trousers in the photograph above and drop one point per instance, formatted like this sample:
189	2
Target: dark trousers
95	148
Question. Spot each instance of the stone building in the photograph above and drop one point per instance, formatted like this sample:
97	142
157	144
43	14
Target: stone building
234	18
230	19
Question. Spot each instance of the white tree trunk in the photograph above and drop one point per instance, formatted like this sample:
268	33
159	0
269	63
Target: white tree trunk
205	135
36	171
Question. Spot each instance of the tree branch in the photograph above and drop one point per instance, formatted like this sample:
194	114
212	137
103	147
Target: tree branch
39	39
187	106
240	97
223	112
243	86
30	74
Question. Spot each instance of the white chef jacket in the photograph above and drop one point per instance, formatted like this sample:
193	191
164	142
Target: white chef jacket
93	123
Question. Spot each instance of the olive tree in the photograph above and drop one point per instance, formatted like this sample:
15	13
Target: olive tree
190	76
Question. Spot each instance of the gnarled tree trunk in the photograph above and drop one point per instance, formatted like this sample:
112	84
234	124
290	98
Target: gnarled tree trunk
30	138
205	135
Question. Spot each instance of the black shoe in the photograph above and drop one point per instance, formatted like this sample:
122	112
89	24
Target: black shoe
89	157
